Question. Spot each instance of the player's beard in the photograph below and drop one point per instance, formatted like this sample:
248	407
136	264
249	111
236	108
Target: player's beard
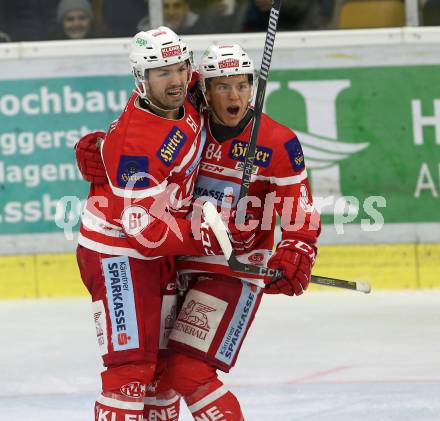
165	100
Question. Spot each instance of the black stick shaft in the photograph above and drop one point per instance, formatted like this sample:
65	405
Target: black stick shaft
258	109
236	265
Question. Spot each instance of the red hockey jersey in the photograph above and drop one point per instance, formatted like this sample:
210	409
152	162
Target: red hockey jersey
151	164
279	185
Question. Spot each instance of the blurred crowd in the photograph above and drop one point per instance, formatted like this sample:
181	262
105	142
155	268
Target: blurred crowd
35	20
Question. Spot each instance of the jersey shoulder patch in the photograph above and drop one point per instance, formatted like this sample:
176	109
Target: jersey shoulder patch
295	153
283	140
133	171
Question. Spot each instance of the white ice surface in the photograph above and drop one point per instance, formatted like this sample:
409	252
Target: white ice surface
320	357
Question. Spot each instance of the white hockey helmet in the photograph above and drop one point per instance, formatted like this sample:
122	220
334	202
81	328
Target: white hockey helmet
225	60
156	48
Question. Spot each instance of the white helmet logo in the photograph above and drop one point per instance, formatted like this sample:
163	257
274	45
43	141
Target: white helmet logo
228	63
172	51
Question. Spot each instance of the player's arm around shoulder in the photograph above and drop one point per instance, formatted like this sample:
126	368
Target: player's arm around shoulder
195	95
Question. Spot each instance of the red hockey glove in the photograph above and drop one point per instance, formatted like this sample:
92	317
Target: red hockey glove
295	259
88	158
243	236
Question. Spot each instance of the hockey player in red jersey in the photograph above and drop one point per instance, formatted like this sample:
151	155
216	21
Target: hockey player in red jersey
219	304
132	226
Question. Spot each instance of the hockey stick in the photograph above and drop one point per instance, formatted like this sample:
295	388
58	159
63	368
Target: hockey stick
214	220
258	107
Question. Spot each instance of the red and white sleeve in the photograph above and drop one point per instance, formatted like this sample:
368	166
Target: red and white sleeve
294	202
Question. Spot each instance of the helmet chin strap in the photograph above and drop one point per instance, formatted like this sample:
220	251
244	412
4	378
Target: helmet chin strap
213	114
210	109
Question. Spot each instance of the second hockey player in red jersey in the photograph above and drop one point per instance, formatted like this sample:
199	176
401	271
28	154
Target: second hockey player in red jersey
220	305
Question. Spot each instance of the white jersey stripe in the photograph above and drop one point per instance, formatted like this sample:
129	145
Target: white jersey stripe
117	404
96	224
108	224
218	393
114	251
139	194
161	402
282	181
279	181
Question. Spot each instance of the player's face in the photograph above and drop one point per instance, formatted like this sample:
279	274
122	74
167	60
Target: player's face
167	85
229	98
76	24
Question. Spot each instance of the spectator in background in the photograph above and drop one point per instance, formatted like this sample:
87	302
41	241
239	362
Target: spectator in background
29	20
296	15
121	17
144	24
222	16
178	16
327	8
74	20
4	37
430	15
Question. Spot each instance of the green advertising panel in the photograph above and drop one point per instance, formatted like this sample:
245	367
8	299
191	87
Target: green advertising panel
371	133
40	123
371	137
